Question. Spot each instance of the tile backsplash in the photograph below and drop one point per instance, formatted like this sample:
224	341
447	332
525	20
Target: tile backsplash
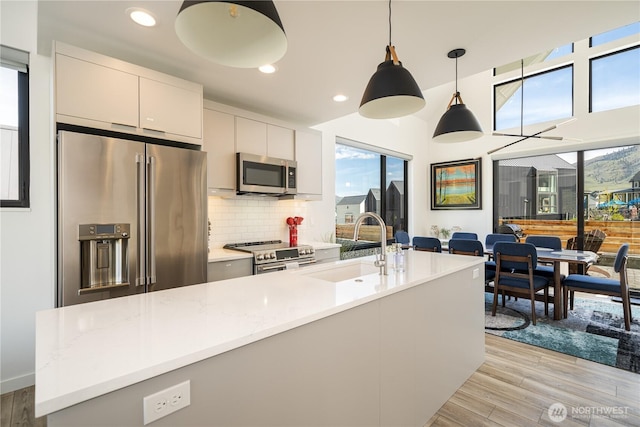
248	219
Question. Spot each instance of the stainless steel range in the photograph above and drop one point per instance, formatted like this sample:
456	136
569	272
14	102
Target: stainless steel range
274	255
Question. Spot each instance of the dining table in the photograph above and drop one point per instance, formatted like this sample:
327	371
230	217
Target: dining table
557	257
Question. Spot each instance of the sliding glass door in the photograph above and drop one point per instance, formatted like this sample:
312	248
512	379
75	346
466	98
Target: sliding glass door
590	199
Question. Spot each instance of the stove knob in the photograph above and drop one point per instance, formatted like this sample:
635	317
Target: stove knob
302	252
259	257
310	250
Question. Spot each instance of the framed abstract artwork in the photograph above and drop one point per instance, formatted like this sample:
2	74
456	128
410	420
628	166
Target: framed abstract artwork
456	185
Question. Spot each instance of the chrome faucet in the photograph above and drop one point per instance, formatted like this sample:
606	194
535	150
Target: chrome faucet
381	261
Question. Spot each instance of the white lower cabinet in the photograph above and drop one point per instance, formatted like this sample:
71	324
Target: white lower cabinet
221	270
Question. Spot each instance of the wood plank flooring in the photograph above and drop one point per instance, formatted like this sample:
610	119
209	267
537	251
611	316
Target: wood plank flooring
518	383
514	387
17	409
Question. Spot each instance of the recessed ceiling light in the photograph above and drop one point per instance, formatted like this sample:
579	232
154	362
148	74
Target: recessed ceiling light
141	17
340	98
267	68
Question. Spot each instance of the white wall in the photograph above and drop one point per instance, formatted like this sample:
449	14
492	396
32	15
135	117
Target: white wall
27	235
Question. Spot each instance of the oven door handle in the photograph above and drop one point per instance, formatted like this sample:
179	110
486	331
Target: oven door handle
284	266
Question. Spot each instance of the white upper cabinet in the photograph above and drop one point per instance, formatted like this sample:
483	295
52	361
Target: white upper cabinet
309	158
251	136
97	91
171	109
264	139
87	90
280	142
219	143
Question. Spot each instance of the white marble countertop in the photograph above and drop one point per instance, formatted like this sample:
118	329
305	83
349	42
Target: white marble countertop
87	350
220	254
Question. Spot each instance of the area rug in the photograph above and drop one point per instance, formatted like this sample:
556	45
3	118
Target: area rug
594	330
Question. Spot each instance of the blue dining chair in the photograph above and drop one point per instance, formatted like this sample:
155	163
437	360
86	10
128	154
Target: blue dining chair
491	239
464	235
473	248
603	285
550	242
430	244
466	247
402	237
515	266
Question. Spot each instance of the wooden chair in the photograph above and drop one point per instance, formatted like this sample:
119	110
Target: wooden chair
512	261
430	244
592	242
603	286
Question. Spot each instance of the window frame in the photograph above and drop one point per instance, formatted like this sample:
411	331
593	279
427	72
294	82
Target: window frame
23	200
382	179
524	79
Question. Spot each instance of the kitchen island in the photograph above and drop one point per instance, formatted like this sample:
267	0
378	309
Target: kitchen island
287	348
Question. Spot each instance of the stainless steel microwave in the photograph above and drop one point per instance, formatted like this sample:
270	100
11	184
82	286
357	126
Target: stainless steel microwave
265	175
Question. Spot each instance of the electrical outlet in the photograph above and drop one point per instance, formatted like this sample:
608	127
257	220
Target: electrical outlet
167	401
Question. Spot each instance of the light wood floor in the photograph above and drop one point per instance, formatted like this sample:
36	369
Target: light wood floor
514	387
518	383
17	409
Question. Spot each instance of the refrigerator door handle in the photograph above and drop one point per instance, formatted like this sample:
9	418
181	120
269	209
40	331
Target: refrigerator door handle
141	258
151	219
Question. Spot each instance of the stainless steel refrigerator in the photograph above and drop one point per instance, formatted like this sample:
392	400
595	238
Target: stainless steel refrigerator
132	217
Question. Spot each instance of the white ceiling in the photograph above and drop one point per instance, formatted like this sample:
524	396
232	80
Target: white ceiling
335	46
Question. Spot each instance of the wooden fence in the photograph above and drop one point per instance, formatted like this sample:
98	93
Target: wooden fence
367	232
618	232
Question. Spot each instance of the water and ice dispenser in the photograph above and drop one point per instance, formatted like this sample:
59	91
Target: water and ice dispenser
104	252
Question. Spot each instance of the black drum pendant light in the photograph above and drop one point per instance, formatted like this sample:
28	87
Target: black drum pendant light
392	92
243	34
458	123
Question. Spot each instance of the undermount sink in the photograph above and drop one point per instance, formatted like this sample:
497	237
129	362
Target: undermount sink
340	273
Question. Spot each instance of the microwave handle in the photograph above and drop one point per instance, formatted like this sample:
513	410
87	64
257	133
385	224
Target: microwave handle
286	178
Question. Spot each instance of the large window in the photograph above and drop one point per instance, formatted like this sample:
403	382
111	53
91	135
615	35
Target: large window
539	194
615	80
14	128
370	181
542	97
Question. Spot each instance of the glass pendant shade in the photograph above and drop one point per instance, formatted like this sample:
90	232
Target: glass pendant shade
392	92
242	34
457	124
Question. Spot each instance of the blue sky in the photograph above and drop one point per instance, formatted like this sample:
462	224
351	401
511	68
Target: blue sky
359	170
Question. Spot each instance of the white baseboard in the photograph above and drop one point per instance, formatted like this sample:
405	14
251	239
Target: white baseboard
17	383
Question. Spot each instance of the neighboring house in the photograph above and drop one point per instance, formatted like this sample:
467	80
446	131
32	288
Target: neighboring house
372	203
349	208
395	204
537	187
